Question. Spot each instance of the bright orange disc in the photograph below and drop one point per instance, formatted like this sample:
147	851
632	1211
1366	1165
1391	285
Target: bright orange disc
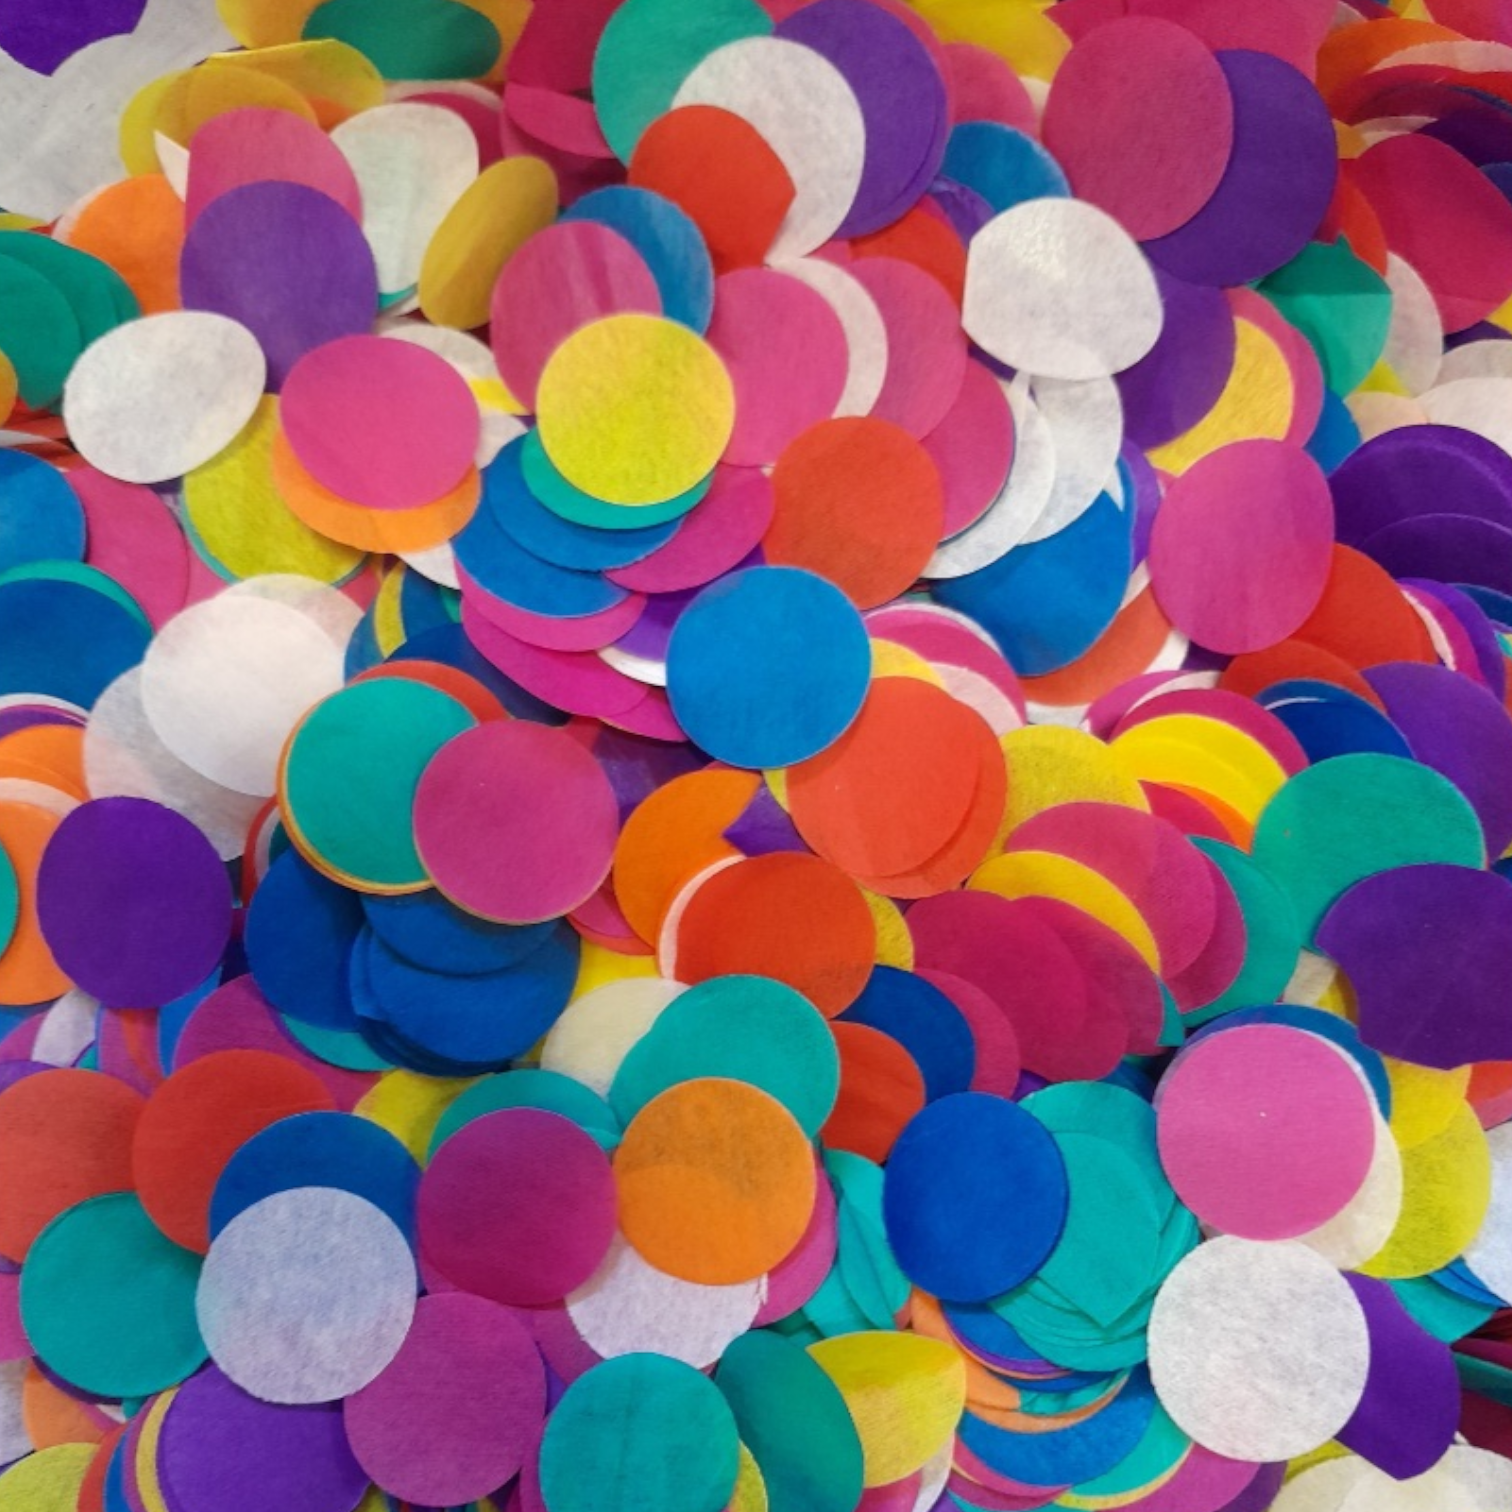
199	1118
788	916
1255	671
895	788
881	1089
137	226
672	836
1364	617
28	973
65	1136
716	1182
860	502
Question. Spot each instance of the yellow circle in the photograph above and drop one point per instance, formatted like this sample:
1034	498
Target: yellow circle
635	409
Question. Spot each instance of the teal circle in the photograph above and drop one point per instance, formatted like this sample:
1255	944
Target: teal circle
411	39
1349	817
336	1047
744	1028
108	1302
10	900
571	503
39	332
99	297
350	776
641	1433
548	1090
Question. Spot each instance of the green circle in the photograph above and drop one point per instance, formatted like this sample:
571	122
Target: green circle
1273	939
548	1090
642	1433
39	332
794	1421
351	772
99	297
1350	817
10	900
1340	304
411	39
744	1028
646	51
571	503
108	1302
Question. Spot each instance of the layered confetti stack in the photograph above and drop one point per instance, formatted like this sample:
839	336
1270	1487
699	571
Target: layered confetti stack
755	756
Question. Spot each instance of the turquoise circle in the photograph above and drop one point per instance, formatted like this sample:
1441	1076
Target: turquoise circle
571	503
641	1433
745	1028
548	1090
108	1302
10	900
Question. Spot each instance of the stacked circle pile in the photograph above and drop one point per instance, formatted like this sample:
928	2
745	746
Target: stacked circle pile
757	756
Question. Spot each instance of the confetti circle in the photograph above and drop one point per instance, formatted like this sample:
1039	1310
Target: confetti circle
158	397
455	1412
1058	288
384	424
634	409
716	1182
1266	1132
954	1237
804	661
518	1207
1258	1351
306	1295
515	822
133	901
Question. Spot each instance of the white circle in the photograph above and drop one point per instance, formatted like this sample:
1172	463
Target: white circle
1321	1488
1366	1221
1482	405
598	1030
1058	288
412	163
860	319
226	681
1086	419
1259	1351
1415	338
125	758
307	1295
1489	1254
801	103
158	397
629	1307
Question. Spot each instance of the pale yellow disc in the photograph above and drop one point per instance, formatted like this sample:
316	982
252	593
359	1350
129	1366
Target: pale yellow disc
410	1106
635	409
1048	765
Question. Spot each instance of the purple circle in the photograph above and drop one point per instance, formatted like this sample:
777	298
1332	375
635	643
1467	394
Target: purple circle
1420	470
224	1451
1181	377
133	901
1276	189
1446	548
902	100
285	260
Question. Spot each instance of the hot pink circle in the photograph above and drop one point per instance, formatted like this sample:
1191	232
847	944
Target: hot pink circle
1242	546
1141	118
518	1207
454	1414
1265	1131
516	822
385	424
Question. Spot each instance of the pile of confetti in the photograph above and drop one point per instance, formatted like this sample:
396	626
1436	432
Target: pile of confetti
754	757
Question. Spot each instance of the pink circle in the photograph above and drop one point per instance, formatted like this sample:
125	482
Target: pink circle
385	424
1292	30
1141	118
1296	351
518	1206
254	146
973	449
454	1414
583	632
565	277
719	533
926	348
1221	959
1242	546
516	822
998	1064
787	356
984	87
134	538
1265	1131
794	1281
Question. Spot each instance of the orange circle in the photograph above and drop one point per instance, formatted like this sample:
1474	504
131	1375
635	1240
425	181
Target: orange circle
1255	671
454	682
1364	617
924	238
372	529
50	754
199	1118
895	788
65	1136
724	176
137	226
716	1182
789	916
881	1089
860	502
672	835
28	973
